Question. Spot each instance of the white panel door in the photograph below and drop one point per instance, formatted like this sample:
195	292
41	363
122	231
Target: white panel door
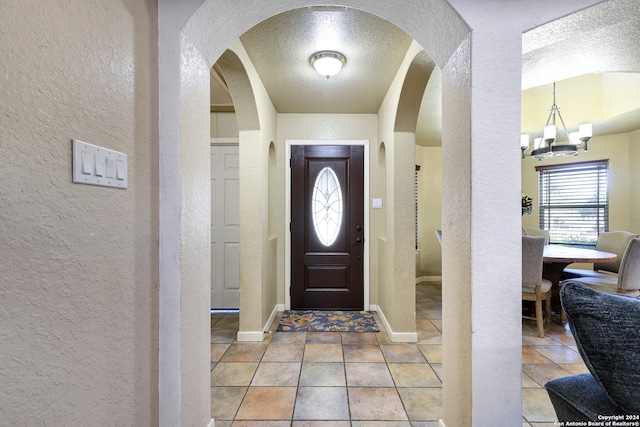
225	237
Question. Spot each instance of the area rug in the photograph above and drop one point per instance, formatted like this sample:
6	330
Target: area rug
327	321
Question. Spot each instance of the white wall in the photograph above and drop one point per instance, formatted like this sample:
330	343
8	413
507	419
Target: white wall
78	263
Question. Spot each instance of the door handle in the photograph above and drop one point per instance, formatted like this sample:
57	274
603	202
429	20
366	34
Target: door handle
359	240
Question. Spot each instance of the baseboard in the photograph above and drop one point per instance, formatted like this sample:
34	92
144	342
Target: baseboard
250	336
212	423
396	336
428	279
258	336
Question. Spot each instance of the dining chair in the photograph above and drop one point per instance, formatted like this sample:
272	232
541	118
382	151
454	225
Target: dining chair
611	241
530	231
439	236
534	287
628	280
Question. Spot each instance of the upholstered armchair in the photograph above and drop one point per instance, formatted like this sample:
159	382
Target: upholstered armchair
605	328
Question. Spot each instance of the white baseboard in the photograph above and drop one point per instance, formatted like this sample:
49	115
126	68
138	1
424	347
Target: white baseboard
396	336
257	336
250	336
428	279
212	423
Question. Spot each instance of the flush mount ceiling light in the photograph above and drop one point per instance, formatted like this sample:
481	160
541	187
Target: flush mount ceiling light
328	63
547	147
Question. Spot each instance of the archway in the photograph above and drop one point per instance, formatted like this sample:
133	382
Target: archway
445	37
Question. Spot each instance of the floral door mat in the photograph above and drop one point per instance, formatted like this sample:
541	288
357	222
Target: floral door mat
327	321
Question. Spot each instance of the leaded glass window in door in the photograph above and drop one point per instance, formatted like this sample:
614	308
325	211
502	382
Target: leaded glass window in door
327	206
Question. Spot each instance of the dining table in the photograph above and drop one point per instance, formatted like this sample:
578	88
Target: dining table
557	257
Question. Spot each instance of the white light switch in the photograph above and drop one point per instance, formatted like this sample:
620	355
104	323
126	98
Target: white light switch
111	168
376	203
95	165
99	165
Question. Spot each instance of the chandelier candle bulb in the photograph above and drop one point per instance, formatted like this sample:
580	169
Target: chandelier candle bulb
550	133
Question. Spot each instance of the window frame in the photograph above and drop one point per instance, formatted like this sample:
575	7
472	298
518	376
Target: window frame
563	174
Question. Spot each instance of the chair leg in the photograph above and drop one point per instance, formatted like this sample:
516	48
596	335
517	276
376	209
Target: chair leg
539	319
547	315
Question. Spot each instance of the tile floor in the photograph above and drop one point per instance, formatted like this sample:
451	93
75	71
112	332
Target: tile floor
331	379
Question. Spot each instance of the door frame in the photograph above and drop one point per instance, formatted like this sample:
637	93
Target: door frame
287	214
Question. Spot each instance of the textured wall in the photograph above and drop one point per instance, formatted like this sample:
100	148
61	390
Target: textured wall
78	306
196	236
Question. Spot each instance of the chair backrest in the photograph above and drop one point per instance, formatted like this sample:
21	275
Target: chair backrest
629	275
439	236
537	232
615	242
532	253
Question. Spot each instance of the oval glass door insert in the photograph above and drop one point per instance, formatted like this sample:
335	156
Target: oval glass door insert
327	206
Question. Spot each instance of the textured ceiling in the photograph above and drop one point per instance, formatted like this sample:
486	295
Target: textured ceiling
280	48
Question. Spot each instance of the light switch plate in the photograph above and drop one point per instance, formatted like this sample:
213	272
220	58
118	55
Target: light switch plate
376	203
95	165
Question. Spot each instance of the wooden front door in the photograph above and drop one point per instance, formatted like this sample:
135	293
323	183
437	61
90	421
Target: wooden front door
327	227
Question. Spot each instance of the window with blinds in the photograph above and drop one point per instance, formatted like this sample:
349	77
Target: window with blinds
574	204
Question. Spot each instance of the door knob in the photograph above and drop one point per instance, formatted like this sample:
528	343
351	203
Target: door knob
359	240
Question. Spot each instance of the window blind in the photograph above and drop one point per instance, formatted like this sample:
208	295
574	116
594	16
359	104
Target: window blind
574	204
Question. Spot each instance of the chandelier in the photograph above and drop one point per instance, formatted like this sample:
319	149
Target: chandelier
547	147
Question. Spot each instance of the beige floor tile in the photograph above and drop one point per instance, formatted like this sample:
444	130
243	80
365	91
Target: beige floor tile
322	375
261	423
289	337
375	403
528	382
575	369
406	353
225	402
433	314
414	375
362	353
359	338
226	323
267	403
422	404
283	352
529	355
543	373
321	424
223	336
425	325
277	375
432	352
233	374
559	354
536	406
324	338
244	352
368	375
437	324
437	368
217	350
321	403
323	353
382	424
430	337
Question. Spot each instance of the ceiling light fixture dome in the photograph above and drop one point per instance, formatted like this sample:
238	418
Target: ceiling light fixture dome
328	63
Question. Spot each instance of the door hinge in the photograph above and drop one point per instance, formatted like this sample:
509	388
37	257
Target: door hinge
289	163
